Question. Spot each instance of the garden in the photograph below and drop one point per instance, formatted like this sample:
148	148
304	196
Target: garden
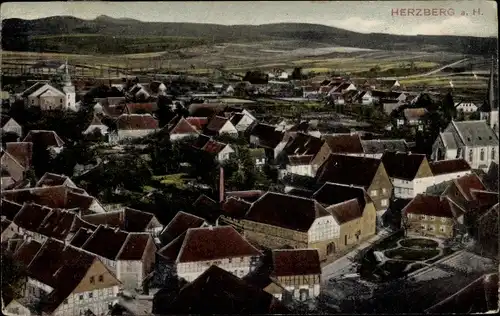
397	256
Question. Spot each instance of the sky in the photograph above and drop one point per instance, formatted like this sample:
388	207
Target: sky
469	18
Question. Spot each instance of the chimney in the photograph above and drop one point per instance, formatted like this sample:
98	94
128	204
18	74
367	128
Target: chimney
221	185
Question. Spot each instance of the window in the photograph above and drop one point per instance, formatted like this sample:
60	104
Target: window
81	297
433	218
384	190
92	281
470	155
373	193
32	101
423	217
493	153
481	155
443	219
423	226
61	100
431	228
91	295
383	202
442	228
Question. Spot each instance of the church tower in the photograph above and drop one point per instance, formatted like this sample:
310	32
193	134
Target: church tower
68	89
489	110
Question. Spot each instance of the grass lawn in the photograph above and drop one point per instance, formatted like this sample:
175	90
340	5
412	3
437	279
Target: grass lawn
411	254
172	179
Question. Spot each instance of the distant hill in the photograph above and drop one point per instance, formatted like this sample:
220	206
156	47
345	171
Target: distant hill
51	34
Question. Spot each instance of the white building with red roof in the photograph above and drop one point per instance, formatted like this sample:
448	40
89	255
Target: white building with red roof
130	126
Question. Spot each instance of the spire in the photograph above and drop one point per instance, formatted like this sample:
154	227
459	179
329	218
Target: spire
66	77
491	86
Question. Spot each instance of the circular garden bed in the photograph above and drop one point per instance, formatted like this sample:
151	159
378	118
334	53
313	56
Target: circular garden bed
419	243
412	254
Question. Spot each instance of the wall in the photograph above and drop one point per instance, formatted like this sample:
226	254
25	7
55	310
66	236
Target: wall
130	273
134	133
97	300
477	162
228	128
302	287
13	167
303	170
174	137
382	186
320	157
244	123
13	127
430	225
239	266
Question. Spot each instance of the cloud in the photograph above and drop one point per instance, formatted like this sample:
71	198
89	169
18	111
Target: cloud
358	24
462	25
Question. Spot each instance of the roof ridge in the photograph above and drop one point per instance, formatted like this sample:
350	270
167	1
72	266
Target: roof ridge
343	202
123	246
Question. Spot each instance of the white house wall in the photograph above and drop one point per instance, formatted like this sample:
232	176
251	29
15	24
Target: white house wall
130	273
97	301
134	133
323	228
239	266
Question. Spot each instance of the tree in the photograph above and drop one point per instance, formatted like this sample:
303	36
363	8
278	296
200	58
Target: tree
241	173
297	73
72	154
14	276
448	109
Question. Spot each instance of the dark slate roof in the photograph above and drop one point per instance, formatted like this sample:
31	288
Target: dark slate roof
216	123
296	262
134	246
236	208
80	237
178	225
44	138
9	209
219	292
51	179
286	211
467	183
432	205
476	133
334	193
402	165
249	196
348	170
128	219
303	144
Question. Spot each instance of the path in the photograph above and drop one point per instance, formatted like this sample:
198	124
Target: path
344	264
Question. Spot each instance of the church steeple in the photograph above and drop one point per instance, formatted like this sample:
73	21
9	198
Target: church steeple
66	76
492	100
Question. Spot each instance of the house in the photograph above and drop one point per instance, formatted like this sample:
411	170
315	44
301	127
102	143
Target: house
138	92
368	173
375	148
199	248
474	141
141	108
64	280
111	107
206	208
16	159
335	193
410	173
485	230
413	117
220	292
220	150
48	96
259	156
460	190
219	125
299	152
182	129
178	225
436	216
128	220
198	122
131	256
298	165
9	125
390	106
136	260
445	170
242	121
61	196
298	271
96	126
279	221
130	126
310	92
466	107
51	179
337	144
365	98
45	139
267	137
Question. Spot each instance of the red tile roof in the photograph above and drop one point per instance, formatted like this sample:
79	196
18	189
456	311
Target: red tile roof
80	237
212	243
31	216
468	182
432	206
134	246
140	108
249	196
296	262
285	211
216	123
44	138
22	152
344	143
129	220
346	211
484	198
236	208
303	144
5	224
170	252
449	166
198	122
183	127
201	141
57	224
180	224
105	242
214	147
136	122
27	251
334	193
51	179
